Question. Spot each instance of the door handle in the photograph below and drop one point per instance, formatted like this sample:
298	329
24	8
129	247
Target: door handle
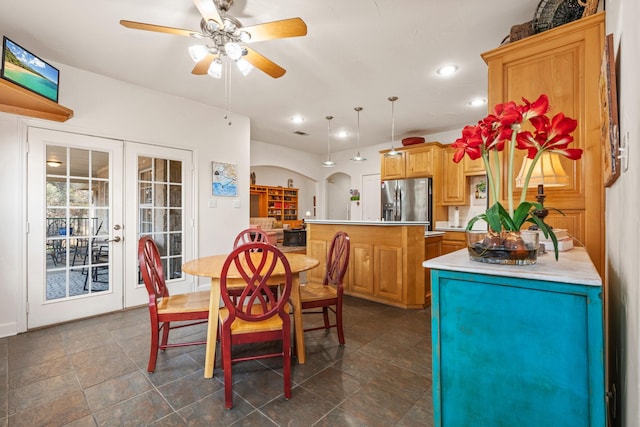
115	239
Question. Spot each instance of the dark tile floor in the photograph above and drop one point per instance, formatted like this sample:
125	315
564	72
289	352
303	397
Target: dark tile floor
93	373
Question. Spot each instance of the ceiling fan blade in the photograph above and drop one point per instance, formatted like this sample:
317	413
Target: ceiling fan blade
292	27
158	28
202	66
208	10
264	64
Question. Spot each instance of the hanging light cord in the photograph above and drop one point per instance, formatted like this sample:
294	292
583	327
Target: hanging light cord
393	151
227	90
393	100
329	137
358	109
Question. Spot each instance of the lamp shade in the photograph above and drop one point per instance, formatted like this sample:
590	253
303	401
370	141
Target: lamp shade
548	171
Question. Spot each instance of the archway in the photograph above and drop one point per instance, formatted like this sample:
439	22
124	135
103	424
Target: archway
338	199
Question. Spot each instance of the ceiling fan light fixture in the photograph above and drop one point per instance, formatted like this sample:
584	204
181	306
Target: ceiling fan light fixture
198	52
233	50
244	66
229	25
215	69
358	157
244	36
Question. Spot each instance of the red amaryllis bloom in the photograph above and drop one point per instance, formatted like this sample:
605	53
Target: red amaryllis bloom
553	136
539	107
508	113
470	143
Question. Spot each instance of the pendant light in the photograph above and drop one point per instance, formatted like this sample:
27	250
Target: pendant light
358	157
328	163
393	152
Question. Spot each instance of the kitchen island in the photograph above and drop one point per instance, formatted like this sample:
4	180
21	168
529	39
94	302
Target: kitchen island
385	262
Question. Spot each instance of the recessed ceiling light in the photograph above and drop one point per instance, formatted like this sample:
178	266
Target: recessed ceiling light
477	102
342	134
297	119
447	70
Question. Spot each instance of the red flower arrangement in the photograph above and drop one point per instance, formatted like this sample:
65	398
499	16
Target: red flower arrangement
504	127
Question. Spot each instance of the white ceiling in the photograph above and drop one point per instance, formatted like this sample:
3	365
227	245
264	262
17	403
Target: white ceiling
356	53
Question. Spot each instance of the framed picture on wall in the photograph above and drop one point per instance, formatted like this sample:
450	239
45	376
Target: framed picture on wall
609	113
224	179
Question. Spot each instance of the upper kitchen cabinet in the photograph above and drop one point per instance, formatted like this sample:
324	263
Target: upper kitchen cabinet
392	167
420	161
415	161
453	183
17	100
473	167
563	63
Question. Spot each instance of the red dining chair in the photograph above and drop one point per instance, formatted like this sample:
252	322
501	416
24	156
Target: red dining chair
328	295
250	235
165	308
258	314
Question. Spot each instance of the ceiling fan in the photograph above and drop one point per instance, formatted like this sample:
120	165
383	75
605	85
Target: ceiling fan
224	37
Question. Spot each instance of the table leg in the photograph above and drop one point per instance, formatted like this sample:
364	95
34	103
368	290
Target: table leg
297	319
212	328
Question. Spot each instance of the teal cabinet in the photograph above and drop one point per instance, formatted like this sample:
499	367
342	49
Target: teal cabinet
517	345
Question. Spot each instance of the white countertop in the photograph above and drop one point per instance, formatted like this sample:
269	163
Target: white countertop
382	223
443	229
573	266
433	233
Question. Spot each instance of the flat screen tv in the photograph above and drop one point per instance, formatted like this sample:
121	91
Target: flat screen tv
23	68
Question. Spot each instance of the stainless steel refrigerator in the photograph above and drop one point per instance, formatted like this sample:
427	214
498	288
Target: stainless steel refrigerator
406	200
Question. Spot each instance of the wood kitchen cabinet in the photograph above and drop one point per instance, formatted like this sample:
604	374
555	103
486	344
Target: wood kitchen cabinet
432	249
392	167
414	161
385	261
563	63
517	345
454	185
473	167
453	241
420	161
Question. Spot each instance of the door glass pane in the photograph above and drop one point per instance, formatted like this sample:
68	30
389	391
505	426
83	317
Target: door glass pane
160	210
77	209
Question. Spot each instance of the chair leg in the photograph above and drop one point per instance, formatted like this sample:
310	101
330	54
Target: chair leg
325	315
225	347
153	353
339	323
286	362
165	333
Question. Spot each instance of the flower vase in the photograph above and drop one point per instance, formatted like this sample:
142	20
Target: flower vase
507	247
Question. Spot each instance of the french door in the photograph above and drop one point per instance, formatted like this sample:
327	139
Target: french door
89	200
75	235
162	201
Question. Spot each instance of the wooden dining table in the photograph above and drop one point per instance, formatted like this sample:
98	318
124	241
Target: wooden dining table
211	266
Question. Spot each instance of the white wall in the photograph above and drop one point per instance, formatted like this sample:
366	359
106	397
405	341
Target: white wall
110	108
623	221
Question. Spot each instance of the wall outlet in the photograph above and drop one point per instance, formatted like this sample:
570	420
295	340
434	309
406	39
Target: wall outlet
213	203
236	203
